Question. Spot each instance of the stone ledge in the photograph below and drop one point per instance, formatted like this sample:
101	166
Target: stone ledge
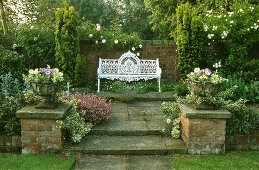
204	114
29	112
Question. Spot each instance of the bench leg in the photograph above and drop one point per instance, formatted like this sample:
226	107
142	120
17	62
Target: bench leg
98	90
159	88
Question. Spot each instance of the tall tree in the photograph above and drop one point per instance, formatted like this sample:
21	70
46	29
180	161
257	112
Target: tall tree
3	20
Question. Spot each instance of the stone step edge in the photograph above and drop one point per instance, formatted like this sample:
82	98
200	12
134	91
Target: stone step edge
126	132
126	152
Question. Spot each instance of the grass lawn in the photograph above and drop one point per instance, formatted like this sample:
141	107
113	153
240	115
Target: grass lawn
229	161
36	162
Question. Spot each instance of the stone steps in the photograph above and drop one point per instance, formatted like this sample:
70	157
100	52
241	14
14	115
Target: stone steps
128	145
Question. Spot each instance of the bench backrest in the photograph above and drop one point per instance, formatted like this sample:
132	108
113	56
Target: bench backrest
128	63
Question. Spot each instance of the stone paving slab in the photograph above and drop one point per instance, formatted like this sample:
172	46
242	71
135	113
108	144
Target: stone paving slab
123	128
101	162
128	145
119	162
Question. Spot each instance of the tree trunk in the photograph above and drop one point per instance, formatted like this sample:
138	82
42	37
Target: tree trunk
2	14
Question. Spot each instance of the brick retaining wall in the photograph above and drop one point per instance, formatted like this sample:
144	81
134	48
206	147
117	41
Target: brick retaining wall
165	51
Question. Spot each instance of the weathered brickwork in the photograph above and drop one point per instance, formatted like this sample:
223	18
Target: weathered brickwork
165	51
39	131
40	135
10	143
243	142
202	134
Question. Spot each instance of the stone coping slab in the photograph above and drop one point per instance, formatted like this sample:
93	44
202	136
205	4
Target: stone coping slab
29	112
191	113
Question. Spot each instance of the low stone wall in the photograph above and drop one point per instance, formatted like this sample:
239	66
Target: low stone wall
243	142
10	143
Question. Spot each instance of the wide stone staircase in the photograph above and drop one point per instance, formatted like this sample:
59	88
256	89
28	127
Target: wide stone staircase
132	139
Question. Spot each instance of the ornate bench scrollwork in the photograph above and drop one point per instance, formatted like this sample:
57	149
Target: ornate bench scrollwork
128	68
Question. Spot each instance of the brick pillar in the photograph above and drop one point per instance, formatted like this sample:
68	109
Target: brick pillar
39	132
203	131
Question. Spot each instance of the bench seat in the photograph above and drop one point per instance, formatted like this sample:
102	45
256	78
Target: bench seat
129	68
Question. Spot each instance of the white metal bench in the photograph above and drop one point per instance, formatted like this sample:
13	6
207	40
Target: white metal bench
128	68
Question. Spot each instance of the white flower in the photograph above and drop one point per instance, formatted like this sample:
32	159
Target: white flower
101	36
219	16
98	27
168	120
197	70
241	10
210	36
133	49
210	11
214	28
251	8
103	41
140	45
15	46
32	27
116	41
248	29
90	35
205	27
208	43
230	13
224	34
138	54
231	22
96	42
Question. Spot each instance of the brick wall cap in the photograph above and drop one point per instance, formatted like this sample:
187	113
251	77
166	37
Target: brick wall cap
204	114
29	112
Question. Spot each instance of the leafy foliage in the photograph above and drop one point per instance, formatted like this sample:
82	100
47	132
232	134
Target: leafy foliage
11	61
10	102
95	108
37	43
242	118
75	124
108	38
67	54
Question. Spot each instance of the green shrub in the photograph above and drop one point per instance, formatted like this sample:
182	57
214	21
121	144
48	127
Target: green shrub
11	61
103	38
75	124
242	119
37	43
9	124
10	102
67	55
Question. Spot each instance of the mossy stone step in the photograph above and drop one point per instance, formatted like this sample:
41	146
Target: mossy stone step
128	145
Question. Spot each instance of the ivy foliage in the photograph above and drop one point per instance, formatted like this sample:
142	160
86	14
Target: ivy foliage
67	55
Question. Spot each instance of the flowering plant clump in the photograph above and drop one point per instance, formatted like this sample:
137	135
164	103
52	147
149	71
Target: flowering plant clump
44	75
171	113
204	75
96	109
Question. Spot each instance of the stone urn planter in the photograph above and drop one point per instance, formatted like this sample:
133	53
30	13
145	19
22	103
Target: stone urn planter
203	85
203	89
46	91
